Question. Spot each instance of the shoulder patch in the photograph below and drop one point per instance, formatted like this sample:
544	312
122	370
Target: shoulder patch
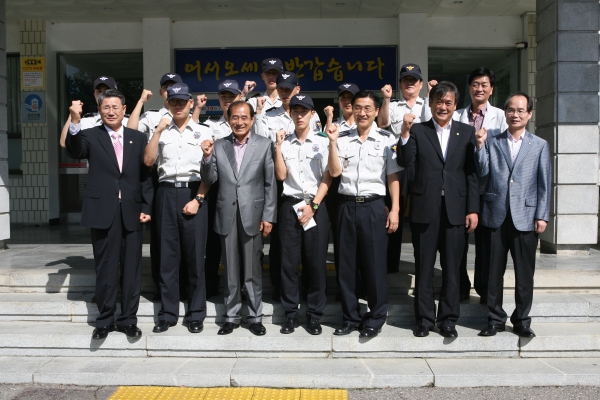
90	115
394	100
344	133
383	132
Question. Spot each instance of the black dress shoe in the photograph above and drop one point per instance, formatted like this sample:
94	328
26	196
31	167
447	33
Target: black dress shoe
162	326
491	330
448	331
290	325
314	326
101	333
195	326
369	332
421	331
523	331
227	328
345	329
131	331
258	329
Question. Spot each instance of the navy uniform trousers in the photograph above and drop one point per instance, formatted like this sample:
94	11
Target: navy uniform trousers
308	247
113	248
182	239
363	236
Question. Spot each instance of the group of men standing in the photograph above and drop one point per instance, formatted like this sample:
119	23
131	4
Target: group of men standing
214	190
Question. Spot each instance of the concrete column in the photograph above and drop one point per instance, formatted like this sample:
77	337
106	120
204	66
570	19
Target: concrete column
158	56
412	43
567	117
4	193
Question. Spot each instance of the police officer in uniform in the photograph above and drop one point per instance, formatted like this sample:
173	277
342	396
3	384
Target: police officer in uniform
267	124
301	163
365	159
392	115
182	221
271	68
92	119
346	122
147	123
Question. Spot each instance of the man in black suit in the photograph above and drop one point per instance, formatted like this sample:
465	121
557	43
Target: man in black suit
444	201
116	202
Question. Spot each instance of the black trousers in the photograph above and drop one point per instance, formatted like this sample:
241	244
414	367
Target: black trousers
333	203
394	250
482	264
118	259
439	235
213	244
155	243
182	241
522	247
362	226
308	247
275	246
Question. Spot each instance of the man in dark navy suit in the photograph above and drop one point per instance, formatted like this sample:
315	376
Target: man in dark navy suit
117	201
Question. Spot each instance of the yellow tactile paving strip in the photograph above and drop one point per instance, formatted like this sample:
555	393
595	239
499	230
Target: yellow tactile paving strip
183	393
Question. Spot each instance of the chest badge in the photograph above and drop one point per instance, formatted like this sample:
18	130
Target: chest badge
345	163
196	135
377	145
315	148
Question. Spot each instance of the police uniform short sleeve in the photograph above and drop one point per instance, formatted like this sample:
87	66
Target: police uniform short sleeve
390	157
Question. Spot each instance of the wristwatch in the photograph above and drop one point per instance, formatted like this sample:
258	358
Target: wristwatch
200	200
314	206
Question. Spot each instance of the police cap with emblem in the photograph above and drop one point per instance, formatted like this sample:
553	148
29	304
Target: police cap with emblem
230	86
170	76
348	87
287	79
178	91
302	100
105	80
272	63
410	70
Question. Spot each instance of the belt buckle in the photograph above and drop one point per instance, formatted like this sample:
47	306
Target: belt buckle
443	194
179	184
360	199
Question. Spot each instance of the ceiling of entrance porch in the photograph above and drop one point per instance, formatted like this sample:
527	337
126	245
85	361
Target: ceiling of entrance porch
136	10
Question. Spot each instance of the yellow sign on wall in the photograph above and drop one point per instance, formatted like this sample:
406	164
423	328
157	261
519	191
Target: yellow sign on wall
33	73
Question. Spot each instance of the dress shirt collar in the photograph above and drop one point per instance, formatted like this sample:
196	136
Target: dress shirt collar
310	137
512	139
236	142
403	101
118	131
439	129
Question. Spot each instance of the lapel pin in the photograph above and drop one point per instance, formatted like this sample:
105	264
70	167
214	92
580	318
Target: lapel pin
131	141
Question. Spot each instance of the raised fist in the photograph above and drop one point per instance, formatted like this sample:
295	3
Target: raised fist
200	100
207	148
76	110
146	94
386	91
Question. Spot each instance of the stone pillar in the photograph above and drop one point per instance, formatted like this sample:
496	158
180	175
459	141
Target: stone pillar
30	203
158	57
4	199
567	117
412	44
528	63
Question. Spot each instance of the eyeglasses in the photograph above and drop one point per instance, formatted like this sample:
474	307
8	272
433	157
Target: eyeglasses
519	112
243	118
107	109
366	109
178	102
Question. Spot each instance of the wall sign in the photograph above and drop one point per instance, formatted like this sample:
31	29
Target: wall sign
318	68
33	107
33	73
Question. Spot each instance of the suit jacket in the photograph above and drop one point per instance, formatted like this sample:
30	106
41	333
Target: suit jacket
457	175
523	187
101	195
253	189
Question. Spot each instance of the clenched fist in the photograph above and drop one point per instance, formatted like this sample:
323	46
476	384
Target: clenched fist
200	101
386	91
333	132
248	87
481	136
207	148
407	123
328	111
146	94
76	110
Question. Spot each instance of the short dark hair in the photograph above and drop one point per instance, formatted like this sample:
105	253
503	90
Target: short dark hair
523	94
442	89
482	71
240	103
111	93
367	94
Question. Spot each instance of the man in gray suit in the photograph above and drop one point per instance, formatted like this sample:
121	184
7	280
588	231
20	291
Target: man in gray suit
516	209
246	200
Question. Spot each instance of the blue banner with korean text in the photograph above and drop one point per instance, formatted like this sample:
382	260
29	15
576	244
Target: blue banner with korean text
318	68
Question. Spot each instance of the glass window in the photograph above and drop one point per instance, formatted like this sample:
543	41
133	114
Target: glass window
13	105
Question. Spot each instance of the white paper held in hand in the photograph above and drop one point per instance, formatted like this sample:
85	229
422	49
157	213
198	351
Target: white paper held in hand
310	223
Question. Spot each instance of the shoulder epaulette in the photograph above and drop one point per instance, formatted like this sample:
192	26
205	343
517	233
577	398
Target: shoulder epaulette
90	115
215	117
256	95
202	123
127	115
394	100
154	110
344	133
272	108
383	132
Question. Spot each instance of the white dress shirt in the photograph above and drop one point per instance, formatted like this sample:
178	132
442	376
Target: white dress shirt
268	104
515	145
366	165
306	163
443	136
268	123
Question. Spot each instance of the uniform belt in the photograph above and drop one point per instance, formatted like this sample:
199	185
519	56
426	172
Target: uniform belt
178	184
360	199
296	199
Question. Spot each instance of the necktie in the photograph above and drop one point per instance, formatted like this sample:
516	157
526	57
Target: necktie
118	149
